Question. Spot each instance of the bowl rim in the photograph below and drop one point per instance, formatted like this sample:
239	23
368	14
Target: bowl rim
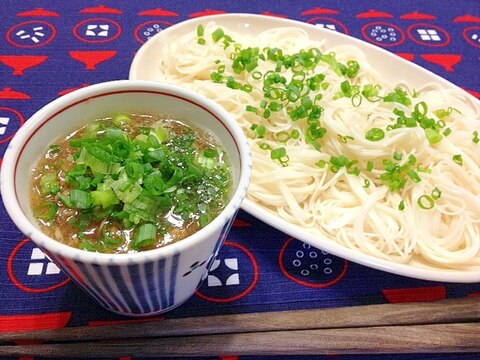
50	110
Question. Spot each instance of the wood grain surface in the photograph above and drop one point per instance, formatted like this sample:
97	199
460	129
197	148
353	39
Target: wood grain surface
442	326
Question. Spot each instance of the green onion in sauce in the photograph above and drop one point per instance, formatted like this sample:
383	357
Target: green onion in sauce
130	183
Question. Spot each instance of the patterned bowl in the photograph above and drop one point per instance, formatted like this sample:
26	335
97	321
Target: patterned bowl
143	283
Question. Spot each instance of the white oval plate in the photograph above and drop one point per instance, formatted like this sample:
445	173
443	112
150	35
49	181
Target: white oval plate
393	68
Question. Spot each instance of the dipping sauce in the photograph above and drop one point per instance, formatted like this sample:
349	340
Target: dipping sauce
130	183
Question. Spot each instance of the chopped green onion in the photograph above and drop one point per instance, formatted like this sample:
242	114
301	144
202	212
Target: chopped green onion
352	68
216	77
279	154
200	30
345	138
210	153
426	202
105	198
337	162
401	205
420	168
330	60
54	149
134	169
121	119
80	199
369	165
218	34
421	108
283	136
433	135
476	138
274	106
315	132
375	134
370	92
256	75
49	185
399	96
154	183
442	113
295	134
260	130
161	134
356	99
247	88
458	159
411	160
413	175
436	193
346	88
146	235
46	211
354	171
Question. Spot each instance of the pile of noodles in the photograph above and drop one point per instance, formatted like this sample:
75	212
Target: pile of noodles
338	205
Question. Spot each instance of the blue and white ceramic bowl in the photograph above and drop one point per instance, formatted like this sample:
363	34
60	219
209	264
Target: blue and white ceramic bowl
144	283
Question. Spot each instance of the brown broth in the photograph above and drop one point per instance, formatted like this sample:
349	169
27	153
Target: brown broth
92	230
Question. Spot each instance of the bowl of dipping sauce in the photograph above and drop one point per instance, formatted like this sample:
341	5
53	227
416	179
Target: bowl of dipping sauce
130	187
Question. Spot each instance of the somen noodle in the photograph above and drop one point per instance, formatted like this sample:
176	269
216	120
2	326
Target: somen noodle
383	168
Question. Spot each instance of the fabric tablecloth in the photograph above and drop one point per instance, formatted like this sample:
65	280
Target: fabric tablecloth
48	48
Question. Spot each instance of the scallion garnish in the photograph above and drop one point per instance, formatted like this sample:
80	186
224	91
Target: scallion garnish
443	113
458	159
296	84
130	176
436	193
280	154
426	202
375	134
397	155
283	136
295	134
49	184
433	135
121	119
476	138
146	235
370	165
399	96
217	34
46	211
345	138
80	199
200	30
370	92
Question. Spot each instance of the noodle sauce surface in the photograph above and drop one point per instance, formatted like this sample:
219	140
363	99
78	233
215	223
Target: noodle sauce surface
130	183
